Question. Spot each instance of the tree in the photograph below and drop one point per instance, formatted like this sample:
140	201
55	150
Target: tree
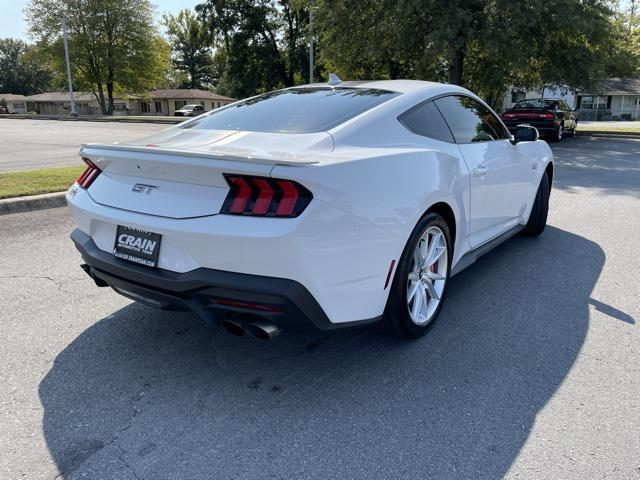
114	44
484	45
261	42
19	72
191	46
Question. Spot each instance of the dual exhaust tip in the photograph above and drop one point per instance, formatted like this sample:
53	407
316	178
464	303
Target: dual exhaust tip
257	328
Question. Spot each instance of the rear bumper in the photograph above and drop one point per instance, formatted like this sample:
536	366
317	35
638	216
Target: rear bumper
211	294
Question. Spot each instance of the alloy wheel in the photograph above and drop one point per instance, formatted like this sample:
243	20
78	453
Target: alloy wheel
428	275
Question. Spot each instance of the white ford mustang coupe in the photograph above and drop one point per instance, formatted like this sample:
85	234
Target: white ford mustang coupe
316	207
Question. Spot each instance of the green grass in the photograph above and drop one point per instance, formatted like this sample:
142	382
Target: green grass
34	182
610	127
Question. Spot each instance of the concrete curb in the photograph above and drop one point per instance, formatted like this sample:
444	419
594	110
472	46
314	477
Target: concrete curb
32	202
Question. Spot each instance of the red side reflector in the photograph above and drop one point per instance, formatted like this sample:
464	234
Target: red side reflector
386	283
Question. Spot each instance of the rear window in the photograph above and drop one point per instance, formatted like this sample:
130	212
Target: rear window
299	110
535	103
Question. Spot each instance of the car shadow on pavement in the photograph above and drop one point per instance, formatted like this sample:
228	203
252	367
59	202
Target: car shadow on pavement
606	163
150	394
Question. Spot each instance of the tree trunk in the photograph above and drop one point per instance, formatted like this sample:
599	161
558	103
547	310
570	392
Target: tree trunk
110	98
100	98
457	63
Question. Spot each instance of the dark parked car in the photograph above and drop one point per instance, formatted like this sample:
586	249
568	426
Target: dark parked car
189	111
552	117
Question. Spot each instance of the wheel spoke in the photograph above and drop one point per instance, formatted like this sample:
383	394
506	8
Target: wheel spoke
434	276
430	289
435	252
423	249
417	260
412	290
425	304
417	302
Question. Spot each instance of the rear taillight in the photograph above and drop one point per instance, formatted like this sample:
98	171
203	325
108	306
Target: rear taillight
546	115
508	115
89	175
264	197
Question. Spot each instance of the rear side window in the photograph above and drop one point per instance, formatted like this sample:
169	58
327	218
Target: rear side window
427	121
298	110
469	120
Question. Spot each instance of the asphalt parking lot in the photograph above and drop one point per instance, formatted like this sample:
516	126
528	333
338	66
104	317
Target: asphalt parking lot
532	371
50	143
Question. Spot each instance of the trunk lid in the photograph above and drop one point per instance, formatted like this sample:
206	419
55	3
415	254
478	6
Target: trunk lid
179	173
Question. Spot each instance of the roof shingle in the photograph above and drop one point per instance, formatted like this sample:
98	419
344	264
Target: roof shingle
618	86
186	94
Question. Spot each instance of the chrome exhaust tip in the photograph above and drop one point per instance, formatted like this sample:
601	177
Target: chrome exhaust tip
262	330
234	326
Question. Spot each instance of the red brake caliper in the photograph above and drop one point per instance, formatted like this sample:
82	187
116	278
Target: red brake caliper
433	267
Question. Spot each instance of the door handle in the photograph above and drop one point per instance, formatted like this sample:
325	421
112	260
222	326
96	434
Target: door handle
479	171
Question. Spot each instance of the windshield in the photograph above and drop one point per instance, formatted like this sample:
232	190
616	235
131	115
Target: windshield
536	103
298	110
189	107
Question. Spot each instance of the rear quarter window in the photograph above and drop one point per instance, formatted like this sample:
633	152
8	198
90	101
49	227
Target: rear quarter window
426	120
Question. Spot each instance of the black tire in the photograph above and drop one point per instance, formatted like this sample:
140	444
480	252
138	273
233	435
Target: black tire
538	217
572	132
397	320
557	135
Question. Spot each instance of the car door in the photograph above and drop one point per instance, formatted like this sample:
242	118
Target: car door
500	176
571	115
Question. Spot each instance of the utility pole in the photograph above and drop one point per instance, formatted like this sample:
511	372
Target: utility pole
73	112
311	42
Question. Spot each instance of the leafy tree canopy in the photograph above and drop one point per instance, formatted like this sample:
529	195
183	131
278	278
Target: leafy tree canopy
191	46
260	44
20	72
484	45
114	45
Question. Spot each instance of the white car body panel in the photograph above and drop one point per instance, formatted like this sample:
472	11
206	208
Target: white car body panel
371	180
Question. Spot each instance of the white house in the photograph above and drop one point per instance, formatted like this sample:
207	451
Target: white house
14	103
155	102
167	101
612	99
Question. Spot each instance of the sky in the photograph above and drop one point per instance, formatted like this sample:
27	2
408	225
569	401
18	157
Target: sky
12	23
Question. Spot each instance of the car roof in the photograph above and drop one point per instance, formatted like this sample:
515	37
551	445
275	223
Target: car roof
401	86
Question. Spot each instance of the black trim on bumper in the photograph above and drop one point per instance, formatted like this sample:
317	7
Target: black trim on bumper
288	303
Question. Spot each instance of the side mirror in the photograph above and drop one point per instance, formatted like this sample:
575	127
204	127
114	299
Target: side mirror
525	133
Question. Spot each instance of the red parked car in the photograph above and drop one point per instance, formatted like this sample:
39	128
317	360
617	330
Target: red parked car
552	117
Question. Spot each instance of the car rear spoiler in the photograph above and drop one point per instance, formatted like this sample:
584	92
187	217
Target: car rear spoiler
276	158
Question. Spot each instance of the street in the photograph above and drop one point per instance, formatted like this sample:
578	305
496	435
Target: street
531	372
28	144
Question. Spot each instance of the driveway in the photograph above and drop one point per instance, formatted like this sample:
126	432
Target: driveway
532	371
